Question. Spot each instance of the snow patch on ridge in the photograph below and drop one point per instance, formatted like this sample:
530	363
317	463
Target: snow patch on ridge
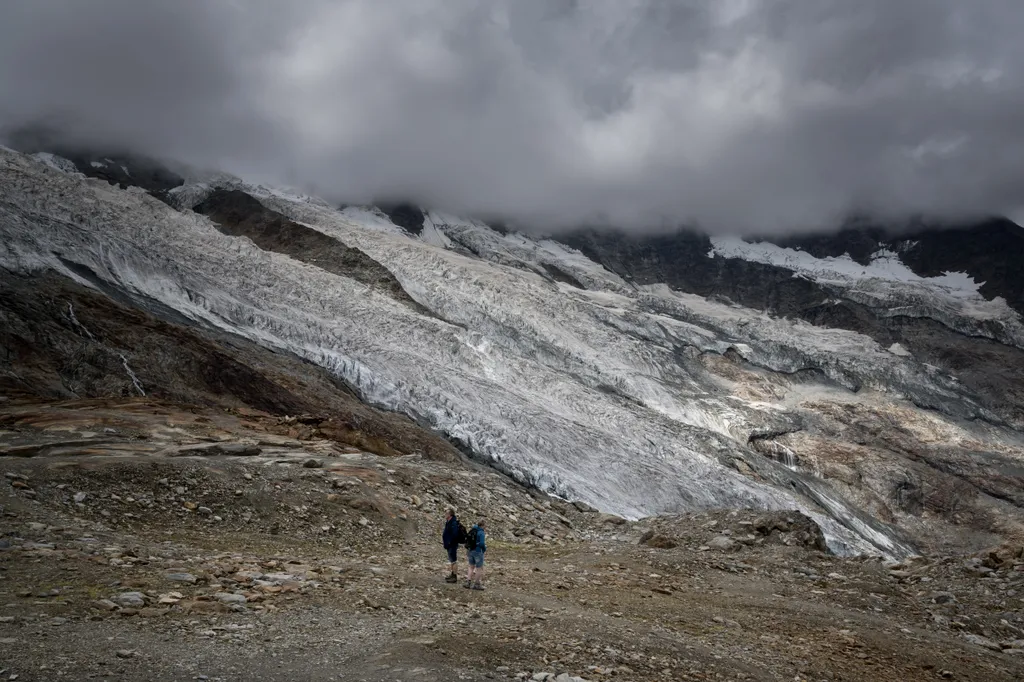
891	288
884	265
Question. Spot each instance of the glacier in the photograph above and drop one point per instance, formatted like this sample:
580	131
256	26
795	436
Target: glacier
594	392
888	285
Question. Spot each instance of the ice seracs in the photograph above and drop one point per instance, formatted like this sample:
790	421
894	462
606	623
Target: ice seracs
598	392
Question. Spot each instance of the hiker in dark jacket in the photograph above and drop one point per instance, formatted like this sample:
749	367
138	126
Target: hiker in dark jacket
450	538
476	544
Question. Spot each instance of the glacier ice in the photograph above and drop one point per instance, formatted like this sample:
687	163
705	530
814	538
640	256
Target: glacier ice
589	393
890	287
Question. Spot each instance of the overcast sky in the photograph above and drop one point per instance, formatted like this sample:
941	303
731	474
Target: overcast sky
734	114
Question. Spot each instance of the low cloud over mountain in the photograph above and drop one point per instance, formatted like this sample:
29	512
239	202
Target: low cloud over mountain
736	115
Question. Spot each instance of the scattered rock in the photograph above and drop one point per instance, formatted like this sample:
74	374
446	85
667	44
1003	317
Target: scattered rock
240	450
153	612
215	449
722	542
657	541
181	578
982	641
130	599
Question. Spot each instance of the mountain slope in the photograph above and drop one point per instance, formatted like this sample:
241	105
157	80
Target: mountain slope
635	396
66	341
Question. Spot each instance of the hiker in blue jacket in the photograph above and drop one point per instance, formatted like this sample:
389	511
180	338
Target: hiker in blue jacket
476	544
450	538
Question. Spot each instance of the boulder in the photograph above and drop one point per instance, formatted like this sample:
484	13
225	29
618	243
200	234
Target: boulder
722	542
130	599
657	541
611	519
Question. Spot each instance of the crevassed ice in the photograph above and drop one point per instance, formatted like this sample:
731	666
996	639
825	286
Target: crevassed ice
585	393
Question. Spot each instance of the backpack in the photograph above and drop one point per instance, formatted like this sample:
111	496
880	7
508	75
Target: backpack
472	538
461	536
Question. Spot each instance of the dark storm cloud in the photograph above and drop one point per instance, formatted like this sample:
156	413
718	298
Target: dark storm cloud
172	78
734	114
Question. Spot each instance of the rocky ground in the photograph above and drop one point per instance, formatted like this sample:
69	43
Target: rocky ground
142	540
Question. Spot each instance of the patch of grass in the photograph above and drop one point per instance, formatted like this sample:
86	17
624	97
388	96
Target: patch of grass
95	592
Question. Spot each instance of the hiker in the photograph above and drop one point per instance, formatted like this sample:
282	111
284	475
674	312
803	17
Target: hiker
476	546
451	537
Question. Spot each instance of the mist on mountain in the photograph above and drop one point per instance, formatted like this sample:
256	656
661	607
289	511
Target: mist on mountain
756	118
